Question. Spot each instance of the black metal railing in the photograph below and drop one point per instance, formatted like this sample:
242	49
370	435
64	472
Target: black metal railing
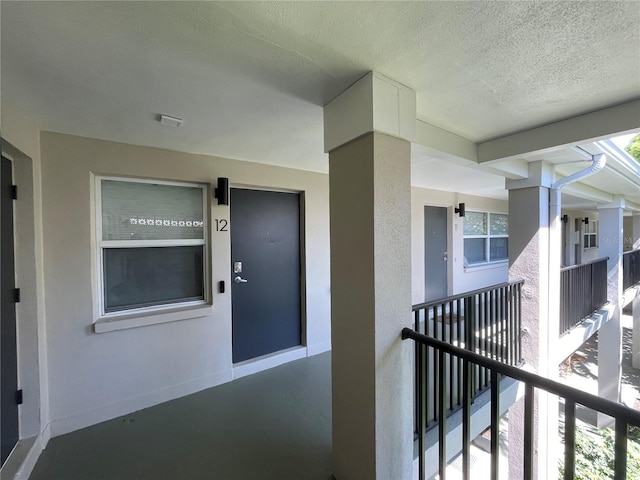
485	321
630	268
583	290
623	415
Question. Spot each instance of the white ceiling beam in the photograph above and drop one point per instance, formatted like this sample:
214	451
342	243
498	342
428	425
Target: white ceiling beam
515	169
586	192
572	131
440	143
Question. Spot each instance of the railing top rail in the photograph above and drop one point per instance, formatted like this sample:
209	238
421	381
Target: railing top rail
431	303
607	407
572	267
631	251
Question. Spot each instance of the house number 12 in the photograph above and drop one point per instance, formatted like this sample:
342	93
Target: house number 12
221	225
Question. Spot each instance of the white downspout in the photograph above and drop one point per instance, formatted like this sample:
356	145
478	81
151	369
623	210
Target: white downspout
553	334
555	205
598	163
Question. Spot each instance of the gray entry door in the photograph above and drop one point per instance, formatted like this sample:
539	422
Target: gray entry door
265	272
8	346
435	252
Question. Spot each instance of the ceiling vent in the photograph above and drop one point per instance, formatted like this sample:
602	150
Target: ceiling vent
171	121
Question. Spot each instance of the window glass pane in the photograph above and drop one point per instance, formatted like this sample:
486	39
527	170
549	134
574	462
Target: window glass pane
147	211
474	250
499	224
498	249
142	277
475	223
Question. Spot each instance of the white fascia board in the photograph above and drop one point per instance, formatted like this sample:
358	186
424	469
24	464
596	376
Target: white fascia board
620	161
443	144
589	127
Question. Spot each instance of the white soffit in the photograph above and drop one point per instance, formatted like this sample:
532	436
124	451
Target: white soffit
251	78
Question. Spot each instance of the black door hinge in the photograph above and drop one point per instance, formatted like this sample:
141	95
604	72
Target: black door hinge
16	295
14	192
19	397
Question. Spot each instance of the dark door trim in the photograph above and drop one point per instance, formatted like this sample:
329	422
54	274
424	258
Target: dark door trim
9	365
261	267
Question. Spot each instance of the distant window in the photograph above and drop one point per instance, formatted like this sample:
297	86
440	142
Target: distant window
486	237
151	238
591	234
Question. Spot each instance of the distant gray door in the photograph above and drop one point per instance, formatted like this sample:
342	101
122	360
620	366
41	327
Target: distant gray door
8	346
435	252
265	272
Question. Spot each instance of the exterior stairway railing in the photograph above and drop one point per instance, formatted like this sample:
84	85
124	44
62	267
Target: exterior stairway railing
486	321
445	352
583	290
630	268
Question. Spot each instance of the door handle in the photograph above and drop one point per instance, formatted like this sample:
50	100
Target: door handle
239	279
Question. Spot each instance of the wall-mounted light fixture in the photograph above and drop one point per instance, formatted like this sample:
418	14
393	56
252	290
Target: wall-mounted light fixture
565	219
460	210
585	220
222	191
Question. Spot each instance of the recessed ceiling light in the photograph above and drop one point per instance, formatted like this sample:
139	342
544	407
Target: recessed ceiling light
170	121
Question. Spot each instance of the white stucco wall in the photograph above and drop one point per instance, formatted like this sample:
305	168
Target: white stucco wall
99	376
461	278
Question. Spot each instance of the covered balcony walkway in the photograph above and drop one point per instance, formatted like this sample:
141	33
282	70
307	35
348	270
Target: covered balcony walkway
270	425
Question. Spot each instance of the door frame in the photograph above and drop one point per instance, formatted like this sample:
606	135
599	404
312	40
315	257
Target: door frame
258	364
12	369
450	254
28	255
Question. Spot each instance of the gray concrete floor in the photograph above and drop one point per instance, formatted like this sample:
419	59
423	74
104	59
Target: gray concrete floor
271	425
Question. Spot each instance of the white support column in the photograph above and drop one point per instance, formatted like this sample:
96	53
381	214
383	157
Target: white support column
635	305
534	255
610	238
370	199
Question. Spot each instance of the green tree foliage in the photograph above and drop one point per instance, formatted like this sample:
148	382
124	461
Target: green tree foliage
634	147
594	455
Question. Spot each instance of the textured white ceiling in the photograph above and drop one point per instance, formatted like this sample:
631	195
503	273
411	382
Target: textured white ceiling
250	78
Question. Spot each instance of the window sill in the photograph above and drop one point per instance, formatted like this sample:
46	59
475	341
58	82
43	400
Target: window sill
486	266
134	320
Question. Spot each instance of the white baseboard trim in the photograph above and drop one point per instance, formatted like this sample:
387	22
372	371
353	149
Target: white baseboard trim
45	436
108	412
23	459
266	362
318	348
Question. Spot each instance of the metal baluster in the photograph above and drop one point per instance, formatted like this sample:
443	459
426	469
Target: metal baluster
620	449
495	424
569	438
442	419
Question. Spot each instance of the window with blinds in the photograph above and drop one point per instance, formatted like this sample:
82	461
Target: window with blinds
151	239
486	237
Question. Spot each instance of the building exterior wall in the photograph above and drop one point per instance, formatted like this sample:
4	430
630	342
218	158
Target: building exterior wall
461	279
99	376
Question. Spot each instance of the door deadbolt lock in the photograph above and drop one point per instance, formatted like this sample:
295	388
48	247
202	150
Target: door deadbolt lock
237	267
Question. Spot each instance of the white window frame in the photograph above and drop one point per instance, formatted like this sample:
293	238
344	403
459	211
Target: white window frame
101	244
588	233
487	246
